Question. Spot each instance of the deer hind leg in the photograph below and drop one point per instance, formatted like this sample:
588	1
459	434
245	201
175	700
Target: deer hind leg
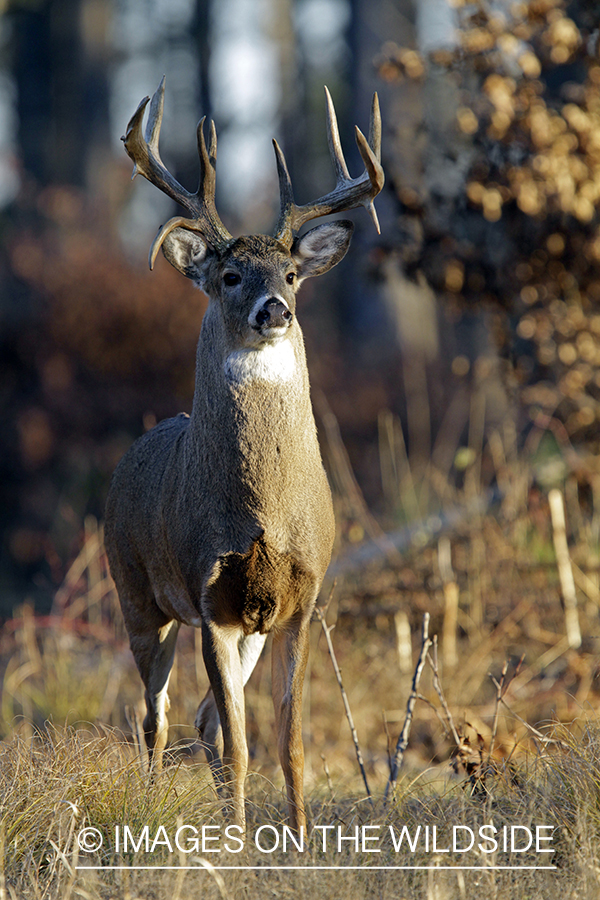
289	657
208	722
154	652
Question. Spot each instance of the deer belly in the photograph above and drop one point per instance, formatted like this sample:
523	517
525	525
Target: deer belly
257	589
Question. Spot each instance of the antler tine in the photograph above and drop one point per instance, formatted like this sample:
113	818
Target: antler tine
208	161
155	116
208	222
374	171
348	192
333	139
375	128
143	150
371	154
284	229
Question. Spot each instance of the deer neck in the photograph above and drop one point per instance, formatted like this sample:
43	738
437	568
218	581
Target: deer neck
251	406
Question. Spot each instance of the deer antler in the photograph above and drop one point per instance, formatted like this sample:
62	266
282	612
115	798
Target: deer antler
348	192
143	150
142	147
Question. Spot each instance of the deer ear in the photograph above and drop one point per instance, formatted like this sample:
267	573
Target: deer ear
321	248
186	250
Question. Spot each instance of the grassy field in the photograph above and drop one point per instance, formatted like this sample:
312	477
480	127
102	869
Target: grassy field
66	780
504	736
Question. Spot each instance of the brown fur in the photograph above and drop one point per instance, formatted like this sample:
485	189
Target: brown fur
223	519
257	589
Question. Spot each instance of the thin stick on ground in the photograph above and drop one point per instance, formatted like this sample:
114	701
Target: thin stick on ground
327	629
327	775
545	741
501	689
499	695
432	659
410	706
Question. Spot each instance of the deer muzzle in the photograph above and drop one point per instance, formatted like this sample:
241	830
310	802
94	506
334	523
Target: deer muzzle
272	314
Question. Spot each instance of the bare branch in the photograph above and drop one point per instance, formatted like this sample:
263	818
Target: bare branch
410	706
327	632
443	722
501	688
433	662
538	734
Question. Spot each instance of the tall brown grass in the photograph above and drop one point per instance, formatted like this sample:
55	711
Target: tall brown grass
60	781
71	698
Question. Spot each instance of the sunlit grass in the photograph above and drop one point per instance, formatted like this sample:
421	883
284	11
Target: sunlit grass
59	781
71	697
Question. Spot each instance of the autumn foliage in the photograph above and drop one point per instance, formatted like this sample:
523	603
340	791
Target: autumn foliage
529	112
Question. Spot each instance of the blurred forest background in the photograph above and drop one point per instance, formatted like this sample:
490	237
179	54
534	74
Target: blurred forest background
455	368
466	335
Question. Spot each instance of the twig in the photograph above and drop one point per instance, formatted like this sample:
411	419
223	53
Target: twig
538	734
388	740
443	722
410	706
585	584
327	629
499	694
432	659
327	775
501	688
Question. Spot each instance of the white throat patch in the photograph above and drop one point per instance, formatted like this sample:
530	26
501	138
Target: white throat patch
272	362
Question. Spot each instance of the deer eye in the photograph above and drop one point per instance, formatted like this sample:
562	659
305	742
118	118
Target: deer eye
231	278
290	277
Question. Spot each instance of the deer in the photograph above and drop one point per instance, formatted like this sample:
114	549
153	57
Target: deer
223	519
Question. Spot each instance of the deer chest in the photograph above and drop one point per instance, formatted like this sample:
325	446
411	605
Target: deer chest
257	590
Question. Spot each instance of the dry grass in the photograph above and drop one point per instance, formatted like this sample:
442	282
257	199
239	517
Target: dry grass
524	755
59	781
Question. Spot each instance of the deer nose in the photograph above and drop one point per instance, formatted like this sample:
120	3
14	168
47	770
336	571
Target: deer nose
273	314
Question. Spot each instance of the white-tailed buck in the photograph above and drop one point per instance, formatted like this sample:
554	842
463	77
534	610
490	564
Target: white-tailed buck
223	519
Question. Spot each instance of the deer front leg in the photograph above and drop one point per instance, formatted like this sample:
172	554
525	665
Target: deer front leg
208	724
224	668
289	656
